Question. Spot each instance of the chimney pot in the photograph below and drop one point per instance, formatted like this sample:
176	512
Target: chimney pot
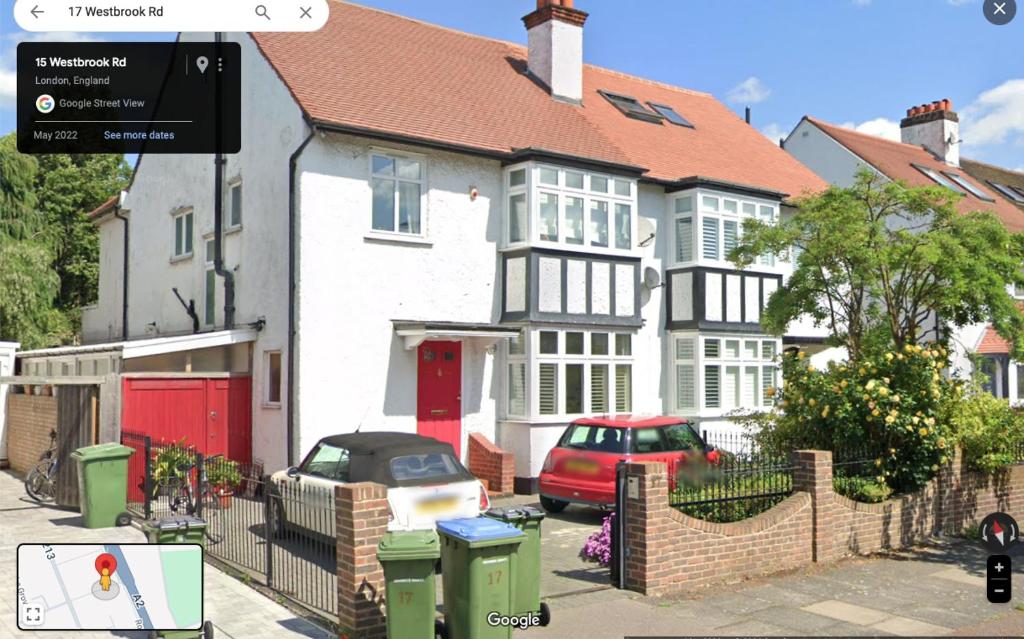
947	104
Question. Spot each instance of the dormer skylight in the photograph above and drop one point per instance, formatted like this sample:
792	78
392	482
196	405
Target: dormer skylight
670	114
1014	194
975	191
631	107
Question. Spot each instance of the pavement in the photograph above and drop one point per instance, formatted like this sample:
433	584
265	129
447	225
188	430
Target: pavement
933	590
236	610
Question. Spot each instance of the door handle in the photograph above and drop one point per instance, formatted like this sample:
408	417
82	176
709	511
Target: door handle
439	411
213	414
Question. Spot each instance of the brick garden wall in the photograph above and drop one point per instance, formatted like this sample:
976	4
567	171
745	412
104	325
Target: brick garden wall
669	552
361	511
491	465
30	418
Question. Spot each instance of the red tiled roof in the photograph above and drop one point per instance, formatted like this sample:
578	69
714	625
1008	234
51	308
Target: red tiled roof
896	160
991	343
371	70
102	208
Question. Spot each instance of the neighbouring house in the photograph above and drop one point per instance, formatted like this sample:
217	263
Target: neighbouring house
436	232
928	154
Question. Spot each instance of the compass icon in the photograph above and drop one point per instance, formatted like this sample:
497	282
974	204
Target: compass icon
999	531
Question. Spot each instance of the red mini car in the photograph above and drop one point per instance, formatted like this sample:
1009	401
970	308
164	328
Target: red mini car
580	469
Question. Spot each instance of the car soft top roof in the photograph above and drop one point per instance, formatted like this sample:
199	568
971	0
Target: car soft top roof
630	421
370	456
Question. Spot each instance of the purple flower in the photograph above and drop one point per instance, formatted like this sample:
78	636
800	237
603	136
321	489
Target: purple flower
598	547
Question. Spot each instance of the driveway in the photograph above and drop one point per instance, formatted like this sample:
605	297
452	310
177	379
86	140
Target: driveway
237	611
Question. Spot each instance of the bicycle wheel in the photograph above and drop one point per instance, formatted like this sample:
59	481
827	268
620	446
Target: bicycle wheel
213	516
39	484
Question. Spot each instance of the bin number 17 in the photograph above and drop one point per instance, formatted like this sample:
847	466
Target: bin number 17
405	597
494	577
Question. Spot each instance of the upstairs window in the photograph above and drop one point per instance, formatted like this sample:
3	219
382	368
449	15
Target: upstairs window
967	185
631	107
670	114
1017	195
234	220
939	179
397	194
183	229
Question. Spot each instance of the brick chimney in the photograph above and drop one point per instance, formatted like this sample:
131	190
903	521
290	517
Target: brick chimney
555	38
936	127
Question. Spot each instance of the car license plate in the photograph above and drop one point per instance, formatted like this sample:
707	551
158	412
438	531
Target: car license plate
434	506
582	466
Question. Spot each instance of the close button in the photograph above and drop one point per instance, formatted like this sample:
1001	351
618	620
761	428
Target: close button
999	12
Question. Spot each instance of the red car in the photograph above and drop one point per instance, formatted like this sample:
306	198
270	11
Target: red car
580	469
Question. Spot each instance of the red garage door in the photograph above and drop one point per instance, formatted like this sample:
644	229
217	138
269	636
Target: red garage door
214	415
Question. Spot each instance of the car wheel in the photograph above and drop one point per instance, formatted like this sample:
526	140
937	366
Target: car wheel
277	523
552	506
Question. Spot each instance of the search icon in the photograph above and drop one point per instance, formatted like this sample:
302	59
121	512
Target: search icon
261	11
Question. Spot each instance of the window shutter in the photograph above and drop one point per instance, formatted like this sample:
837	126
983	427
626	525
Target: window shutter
711	238
684	239
548	386
623	388
599	388
750	387
729	234
684	348
731	387
573	389
711	395
768	381
685	394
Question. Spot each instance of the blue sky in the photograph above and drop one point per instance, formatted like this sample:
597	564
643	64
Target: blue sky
860	63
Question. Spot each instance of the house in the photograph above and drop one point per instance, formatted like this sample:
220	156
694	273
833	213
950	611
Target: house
928	154
435	232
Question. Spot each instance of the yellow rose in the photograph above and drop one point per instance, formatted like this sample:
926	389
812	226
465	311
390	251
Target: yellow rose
930	421
862	371
942	442
881	479
871	404
878	462
935	467
844	384
899	356
870	384
889	419
917	348
812	402
810	369
889	357
800	355
824	413
910	428
915	419
885	379
883	391
923	432
908	348
876	412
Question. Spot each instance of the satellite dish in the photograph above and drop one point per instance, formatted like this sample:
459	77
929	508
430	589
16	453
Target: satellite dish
645	231
652	278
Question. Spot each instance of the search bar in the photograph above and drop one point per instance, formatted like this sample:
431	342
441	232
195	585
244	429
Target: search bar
171	15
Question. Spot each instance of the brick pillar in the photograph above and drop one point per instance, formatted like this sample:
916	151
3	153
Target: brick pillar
361	520
646	519
813	475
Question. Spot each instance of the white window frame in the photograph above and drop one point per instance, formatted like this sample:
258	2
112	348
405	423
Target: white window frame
422	182
724	359
209	268
188	240
533	359
229	209
266	401
700	199
533	188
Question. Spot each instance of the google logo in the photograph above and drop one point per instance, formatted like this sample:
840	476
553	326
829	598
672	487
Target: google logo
45	103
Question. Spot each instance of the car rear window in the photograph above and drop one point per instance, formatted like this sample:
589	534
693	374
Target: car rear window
425	466
600	439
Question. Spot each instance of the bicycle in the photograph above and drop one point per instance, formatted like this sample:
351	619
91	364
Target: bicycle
198	502
41	482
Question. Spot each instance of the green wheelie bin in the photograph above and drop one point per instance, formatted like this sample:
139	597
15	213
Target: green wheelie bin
478	577
103	484
408	558
526	596
184	529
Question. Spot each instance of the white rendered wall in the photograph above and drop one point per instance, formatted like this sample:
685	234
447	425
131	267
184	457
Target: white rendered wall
101	322
556	57
7	350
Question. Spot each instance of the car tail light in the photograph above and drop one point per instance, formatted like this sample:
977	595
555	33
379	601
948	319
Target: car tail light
485	501
549	464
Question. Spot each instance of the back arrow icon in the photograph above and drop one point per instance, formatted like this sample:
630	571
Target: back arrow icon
36	11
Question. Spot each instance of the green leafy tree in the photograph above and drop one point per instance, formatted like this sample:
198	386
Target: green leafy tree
878	261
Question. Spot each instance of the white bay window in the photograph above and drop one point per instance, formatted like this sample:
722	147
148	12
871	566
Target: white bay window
720	373
719	227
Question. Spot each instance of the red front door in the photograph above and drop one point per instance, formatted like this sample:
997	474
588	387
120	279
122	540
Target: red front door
439	392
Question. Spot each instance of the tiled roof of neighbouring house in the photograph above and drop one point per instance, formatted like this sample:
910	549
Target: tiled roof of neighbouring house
896	160
368	70
988	175
991	343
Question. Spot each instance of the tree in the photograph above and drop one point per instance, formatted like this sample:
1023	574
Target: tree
880	260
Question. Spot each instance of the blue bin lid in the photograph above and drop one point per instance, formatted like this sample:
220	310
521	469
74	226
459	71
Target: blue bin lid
478	529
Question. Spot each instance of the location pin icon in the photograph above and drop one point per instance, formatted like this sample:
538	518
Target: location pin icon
202	63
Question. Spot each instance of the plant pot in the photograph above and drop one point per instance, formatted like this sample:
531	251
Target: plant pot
26	389
225	498
46	390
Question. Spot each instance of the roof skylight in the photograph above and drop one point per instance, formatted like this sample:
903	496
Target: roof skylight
631	107
670	114
939	179
975	191
1013	194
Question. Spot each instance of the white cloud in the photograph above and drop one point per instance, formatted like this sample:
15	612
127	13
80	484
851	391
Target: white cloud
750	91
8	87
774	131
995	116
881	127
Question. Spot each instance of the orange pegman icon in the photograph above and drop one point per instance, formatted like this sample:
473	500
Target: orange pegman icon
105	565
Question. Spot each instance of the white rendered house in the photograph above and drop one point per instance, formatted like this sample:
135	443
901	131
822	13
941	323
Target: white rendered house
452	234
927	155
